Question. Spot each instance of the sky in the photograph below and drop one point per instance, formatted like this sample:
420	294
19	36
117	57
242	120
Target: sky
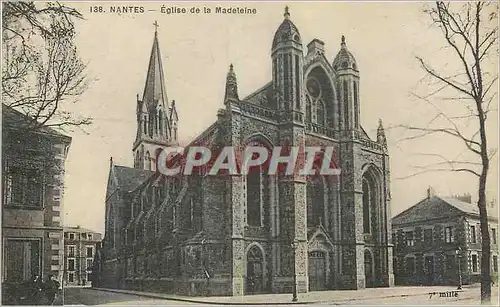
196	52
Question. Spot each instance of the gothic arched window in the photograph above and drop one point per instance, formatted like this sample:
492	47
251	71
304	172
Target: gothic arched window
356	107
160	122
320	113
314	96
196	203
366	206
315	201
147	161
297	82
371	202
346	106
254	196
308	109
287	82
145	125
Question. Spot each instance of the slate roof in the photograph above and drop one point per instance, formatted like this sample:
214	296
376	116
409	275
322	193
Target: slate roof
344	56
461	205
79	229
14	119
286	31
129	178
435	207
261	95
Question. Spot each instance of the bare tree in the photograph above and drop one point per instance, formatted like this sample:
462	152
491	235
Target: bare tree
470	32
41	68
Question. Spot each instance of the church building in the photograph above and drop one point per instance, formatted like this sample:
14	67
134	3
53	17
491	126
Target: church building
256	233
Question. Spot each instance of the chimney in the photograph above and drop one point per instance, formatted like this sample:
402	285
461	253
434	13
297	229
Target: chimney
316	45
466	198
430	192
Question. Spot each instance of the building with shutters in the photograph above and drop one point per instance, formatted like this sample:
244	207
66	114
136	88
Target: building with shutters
81	245
435	236
236	235
33	163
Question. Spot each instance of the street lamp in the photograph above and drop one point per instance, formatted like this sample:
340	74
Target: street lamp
291	241
459	270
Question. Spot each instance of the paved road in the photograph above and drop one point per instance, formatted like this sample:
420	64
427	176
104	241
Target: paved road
85	296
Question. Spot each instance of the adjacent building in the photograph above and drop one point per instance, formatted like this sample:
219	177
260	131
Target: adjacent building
81	245
33	163
259	233
438	241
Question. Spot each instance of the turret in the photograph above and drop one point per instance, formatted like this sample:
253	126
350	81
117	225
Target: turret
347	71
287	57
381	134
231	87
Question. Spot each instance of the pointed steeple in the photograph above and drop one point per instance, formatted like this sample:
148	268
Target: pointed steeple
381	134
154	89
231	86
155	129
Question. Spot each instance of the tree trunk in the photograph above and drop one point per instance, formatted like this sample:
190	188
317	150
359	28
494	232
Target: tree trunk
483	214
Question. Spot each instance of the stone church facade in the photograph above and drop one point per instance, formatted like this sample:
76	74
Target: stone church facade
244	234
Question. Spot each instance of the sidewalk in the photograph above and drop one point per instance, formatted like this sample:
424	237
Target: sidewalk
316	297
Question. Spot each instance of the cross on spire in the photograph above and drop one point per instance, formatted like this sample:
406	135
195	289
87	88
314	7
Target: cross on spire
287	13
156	26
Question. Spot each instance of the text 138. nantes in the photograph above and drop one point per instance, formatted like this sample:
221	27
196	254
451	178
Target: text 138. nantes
174	10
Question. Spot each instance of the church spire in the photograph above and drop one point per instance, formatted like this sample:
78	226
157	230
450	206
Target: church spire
156	122
154	90
381	134
231	86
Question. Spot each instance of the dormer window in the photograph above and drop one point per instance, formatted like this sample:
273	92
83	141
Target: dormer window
345	65
354	66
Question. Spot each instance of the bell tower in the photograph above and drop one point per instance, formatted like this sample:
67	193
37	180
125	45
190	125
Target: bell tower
288	77
156	120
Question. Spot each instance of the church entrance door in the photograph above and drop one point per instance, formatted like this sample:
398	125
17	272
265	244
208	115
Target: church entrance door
255	270
317	271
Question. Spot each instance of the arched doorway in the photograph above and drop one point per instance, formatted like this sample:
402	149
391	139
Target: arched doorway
317	271
369	283
255	271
